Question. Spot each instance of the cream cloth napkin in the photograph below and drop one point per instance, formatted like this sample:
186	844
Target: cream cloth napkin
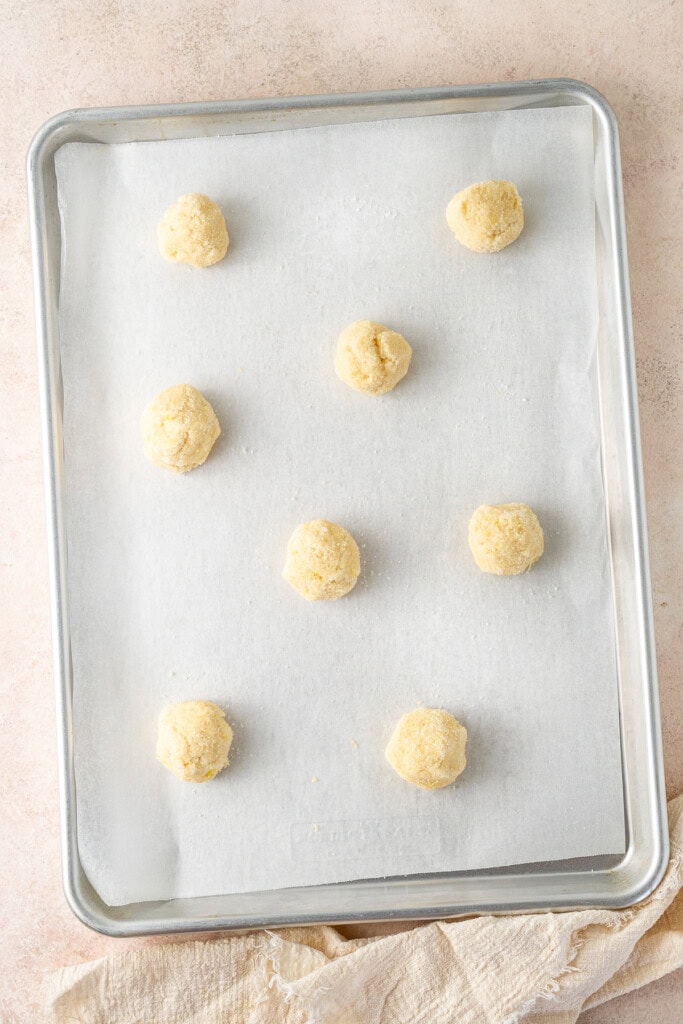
541	968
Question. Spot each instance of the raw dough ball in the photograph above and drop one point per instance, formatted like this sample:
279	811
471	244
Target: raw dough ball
179	428
323	561
486	217
193	231
371	358
427	748
505	539
193	740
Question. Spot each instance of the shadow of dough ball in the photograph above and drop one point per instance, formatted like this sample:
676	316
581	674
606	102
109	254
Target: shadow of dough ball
193	740
193	231
427	748
486	217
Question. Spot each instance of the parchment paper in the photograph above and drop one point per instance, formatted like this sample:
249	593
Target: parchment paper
174	582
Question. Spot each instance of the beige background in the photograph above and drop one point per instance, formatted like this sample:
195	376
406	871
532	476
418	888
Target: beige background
58	55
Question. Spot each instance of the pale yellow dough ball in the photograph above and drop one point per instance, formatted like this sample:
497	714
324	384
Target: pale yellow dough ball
505	539
323	561
371	358
427	748
179	428
193	740
193	231
486	217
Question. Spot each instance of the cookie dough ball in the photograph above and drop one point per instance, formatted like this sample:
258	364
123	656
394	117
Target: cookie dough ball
179	428
371	358
193	740
427	748
323	561
486	217
505	539
193	231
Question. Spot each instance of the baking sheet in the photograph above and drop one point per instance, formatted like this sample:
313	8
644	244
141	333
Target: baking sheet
175	588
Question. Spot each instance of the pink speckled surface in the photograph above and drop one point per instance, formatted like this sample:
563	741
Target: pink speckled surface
60	54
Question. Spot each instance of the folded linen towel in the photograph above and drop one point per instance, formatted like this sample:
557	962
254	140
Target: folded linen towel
541	968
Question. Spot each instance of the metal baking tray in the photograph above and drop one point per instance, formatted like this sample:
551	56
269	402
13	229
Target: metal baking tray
610	882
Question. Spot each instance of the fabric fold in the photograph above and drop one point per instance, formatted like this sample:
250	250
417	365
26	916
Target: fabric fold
540	968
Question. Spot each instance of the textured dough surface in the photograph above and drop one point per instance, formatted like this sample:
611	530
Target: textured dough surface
193	231
427	748
179	428
371	358
323	561
486	217
505	539
193	740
